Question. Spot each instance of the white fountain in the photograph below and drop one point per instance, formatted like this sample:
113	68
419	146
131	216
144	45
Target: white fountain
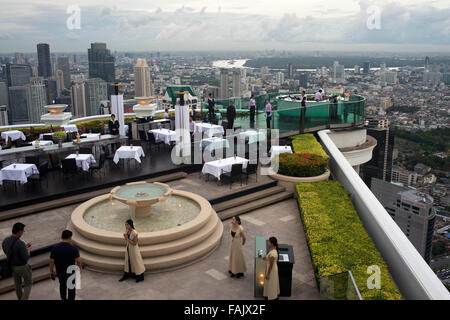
56	116
144	108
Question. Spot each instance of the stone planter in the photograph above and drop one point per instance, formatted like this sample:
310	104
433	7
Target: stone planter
289	182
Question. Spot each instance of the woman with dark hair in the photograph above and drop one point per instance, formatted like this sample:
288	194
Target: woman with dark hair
272	284
134	265
236	263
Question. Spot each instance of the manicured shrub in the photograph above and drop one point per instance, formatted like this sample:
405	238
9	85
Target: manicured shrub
337	239
307	143
60	134
301	164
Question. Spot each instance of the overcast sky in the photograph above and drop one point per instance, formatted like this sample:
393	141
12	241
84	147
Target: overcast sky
150	25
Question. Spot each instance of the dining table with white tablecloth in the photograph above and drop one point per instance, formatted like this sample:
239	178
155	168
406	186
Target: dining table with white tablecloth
70	128
209	129
215	143
276	150
14	135
83	160
18	172
164	135
252	136
42	143
218	167
90	135
129	152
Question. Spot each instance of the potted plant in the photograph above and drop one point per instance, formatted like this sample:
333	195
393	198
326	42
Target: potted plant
59	137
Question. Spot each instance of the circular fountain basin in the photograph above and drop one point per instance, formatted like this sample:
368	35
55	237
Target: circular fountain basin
140	196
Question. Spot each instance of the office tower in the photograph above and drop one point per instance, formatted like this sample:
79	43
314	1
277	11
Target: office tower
366	67
236	83
19	104
224	93
383	67
101	62
303	80
38	99
18	74
427	63
338	72
380	166
142	81
357	69
213	90
411	210
3	115
3	94
78	98
446	78
388	78
18	58
404	177
59	76
95	91
291	71
432	77
44	62
63	65
280	78
51	87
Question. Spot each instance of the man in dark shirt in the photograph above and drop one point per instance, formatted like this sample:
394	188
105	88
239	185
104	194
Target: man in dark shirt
211	110
64	255
17	254
113	125
231	115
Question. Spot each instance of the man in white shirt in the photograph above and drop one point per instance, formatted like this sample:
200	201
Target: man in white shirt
318	95
252	107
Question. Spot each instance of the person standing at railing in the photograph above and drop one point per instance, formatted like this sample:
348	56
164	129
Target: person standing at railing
211	110
231	115
252	107
268	113
303	100
318	95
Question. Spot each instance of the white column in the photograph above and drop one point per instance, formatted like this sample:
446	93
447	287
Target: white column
117	109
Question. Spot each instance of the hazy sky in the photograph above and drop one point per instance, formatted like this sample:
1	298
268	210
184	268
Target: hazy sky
144	25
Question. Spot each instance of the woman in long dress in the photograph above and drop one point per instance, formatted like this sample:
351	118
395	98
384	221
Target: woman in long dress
134	265
272	284
236	266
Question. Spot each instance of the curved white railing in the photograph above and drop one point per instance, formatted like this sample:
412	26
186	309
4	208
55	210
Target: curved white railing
411	273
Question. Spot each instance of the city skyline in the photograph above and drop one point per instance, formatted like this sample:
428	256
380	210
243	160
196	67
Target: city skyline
227	25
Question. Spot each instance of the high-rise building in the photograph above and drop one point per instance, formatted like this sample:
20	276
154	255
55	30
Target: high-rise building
18	74
236	83
101	62
427	63
388	78
303	80
18	58
366	67
3	115
95	91
38	94
338	72
224	92
63	65
78	100
3	94
402	176
44	62
291	71
432	77
411	210
446	78
142	81
280	78
380	166
19	104
51	87
357	69
59	76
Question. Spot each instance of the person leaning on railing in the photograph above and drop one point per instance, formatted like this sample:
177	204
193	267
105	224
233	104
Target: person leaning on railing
113	125
268	113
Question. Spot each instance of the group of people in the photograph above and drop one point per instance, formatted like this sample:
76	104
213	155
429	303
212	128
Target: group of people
65	256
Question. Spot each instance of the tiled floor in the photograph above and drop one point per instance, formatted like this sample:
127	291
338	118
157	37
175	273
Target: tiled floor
208	278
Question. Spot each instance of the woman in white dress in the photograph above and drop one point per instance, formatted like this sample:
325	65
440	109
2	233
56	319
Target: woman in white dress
272	283
236	262
134	265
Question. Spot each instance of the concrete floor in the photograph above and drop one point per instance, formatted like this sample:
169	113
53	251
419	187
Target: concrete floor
206	279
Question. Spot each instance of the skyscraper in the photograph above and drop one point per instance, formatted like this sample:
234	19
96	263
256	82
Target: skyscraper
63	65
44	63
95	91
366	67
18	74
291	71
19	95
18	58
380	166
142	81
411	210
224	92
304	80
59	75
338	72
78	97
3	115
51	87
3	94
38	96
101	62
236	83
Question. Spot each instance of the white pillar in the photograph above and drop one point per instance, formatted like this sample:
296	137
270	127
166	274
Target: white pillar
117	109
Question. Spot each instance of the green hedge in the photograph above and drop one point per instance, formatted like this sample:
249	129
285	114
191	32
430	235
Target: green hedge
301	164
337	239
307	143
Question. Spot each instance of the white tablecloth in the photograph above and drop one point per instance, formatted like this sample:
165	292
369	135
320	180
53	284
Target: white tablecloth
20	172
217	167
276	150
14	135
209	129
164	135
128	152
90	135
83	160
41	136
70	128
253	136
42	143
215	143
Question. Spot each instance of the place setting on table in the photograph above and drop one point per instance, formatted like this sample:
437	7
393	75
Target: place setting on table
252	136
83	160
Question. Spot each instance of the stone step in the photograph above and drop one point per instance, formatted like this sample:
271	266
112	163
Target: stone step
247	198
40	274
234	211
177	259
153	250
